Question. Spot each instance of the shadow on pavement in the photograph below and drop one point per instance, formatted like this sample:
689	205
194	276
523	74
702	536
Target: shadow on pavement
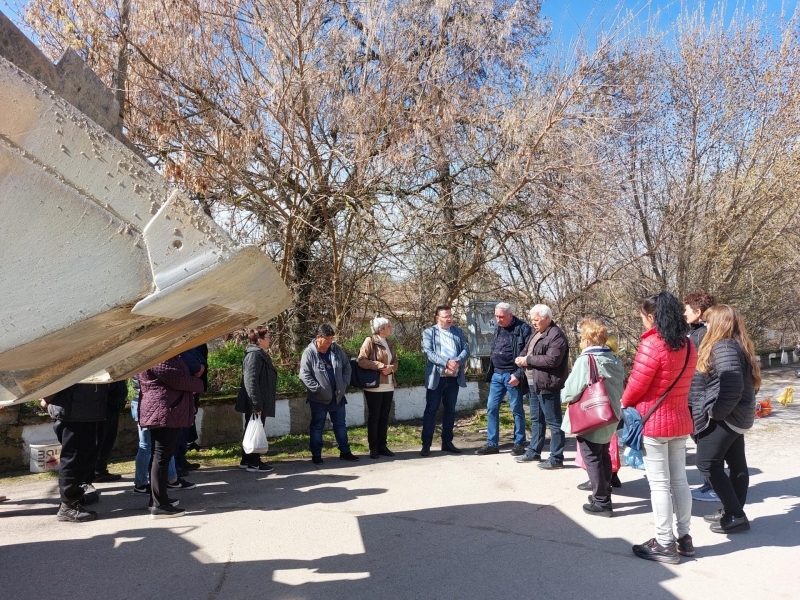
478	551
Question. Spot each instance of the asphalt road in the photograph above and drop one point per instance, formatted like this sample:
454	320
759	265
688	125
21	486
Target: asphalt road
451	527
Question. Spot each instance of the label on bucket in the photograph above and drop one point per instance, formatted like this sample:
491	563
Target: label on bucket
45	457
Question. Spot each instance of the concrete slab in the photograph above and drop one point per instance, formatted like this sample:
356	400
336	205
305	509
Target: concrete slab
446	526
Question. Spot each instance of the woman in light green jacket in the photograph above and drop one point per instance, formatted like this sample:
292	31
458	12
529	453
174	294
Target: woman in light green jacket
594	447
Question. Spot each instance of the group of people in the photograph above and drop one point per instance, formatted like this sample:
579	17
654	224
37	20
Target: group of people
695	373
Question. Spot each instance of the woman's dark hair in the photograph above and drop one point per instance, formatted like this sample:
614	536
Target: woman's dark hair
701	301
670	322
259	333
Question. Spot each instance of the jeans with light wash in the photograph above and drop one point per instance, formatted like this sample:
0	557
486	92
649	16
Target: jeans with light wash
498	388
143	455
665	465
318	413
546	412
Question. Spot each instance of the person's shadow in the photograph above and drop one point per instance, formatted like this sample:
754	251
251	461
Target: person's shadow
470	552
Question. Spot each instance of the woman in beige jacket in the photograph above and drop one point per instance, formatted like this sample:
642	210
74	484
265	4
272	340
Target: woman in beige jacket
377	354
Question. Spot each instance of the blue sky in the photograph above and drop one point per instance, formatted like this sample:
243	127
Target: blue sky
569	16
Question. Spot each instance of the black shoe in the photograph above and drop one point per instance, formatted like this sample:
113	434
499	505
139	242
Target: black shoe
348	456
685	546
597	511
181	484
586	486
193	466
90	495
528	458
426	451
317	460
714	517
487	449
374	454
106	477
165	512
551	464
193	446
385	452
652	550
451	448
260	468
142	489
731	524
517	450
75	513
615	482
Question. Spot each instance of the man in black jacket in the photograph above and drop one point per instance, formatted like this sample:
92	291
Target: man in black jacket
546	362
504	377
79	412
695	305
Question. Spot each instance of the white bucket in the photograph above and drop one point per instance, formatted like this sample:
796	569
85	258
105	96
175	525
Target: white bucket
45	457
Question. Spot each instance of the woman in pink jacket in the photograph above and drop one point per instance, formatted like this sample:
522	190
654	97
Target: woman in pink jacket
659	381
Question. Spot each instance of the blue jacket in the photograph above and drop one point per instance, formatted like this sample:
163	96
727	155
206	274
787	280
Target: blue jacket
431	346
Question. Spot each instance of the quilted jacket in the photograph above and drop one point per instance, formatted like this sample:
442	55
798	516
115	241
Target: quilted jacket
654	369
727	392
167	395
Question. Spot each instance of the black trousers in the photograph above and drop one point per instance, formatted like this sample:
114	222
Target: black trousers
79	447
163	440
379	406
107	438
597	459
252	458
716	445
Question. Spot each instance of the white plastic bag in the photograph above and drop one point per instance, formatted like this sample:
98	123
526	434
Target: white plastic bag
255	438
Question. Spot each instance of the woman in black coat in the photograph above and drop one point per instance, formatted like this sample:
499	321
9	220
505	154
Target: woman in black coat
257	394
723	397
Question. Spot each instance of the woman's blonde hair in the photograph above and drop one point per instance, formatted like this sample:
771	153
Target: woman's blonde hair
726	323
593	331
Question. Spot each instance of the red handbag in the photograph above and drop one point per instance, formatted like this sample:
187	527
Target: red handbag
593	410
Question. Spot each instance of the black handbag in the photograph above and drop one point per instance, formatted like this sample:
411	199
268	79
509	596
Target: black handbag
362	378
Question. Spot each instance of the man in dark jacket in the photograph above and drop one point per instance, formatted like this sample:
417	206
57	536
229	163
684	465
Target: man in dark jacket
695	305
505	377
325	372
79	412
117	398
546	362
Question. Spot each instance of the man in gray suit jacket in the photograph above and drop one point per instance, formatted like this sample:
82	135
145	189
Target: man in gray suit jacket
447	351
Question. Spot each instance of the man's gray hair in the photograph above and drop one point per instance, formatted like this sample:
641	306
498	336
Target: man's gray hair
505	307
379	323
542	310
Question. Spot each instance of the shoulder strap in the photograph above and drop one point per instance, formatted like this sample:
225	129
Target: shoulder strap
669	389
594	377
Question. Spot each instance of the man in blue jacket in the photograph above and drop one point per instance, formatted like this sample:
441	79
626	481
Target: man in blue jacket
505	377
325	371
446	350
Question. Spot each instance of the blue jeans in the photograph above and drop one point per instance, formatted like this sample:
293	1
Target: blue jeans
142	474
446	392
498	387
546	411
318	413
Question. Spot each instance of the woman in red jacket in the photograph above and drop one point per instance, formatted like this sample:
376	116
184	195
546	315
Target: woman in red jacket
664	364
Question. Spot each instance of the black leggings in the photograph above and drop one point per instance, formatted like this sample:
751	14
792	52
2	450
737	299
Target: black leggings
163	439
716	445
379	405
